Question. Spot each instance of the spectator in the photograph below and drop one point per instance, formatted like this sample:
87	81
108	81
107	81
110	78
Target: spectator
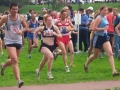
90	18
116	38
83	31
111	18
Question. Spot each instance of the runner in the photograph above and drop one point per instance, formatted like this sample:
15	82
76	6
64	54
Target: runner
100	40
65	26
32	26
1	33
13	39
48	33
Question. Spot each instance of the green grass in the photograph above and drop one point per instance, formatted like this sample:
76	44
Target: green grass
99	70
75	6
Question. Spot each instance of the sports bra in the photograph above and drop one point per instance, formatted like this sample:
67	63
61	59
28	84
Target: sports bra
48	32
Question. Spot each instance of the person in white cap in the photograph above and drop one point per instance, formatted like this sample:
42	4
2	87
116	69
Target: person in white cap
90	18
90	10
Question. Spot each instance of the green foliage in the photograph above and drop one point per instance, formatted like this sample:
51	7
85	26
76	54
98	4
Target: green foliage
56	5
5	4
3	8
75	6
19	2
116	88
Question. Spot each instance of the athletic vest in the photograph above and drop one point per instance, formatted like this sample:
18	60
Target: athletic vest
11	28
48	32
63	27
102	24
33	26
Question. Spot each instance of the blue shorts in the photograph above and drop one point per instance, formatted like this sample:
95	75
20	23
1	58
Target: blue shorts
98	41
30	36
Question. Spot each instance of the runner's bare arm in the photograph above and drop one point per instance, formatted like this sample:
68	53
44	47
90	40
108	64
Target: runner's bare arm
3	20
71	26
57	32
23	22
28	24
40	29
56	23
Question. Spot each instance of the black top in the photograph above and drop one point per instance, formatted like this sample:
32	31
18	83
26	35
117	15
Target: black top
48	32
40	18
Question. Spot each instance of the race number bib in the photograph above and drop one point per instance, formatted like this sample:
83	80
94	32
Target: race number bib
33	29
14	28
48	32
63	30
105	32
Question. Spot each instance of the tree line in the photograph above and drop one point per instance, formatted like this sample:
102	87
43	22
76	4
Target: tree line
21	3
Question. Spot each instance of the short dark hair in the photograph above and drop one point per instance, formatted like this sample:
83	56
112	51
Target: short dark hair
30	10
81	9
102	7
49	11
110	9
13	4
69	6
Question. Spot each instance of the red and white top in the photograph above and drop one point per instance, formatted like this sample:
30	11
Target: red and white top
63	26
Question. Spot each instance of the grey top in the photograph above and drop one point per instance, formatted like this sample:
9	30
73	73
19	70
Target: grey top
11	37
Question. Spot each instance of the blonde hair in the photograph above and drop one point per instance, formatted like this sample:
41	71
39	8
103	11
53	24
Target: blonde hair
65	8
44	12
62	11
116	9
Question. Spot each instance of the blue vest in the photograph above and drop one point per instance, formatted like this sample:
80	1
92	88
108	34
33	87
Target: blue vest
102	24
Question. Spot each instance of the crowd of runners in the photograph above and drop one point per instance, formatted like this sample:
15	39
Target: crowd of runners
98	31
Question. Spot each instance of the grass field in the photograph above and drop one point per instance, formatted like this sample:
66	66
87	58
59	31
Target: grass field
96	6
99	70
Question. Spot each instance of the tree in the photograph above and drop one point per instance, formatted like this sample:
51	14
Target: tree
56	4
7	2
4	4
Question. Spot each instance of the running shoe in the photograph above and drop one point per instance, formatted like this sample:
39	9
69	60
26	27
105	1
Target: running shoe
67	69
55	55
86	68
29	56
2	70
20	83
116	73
49	74
100	56
37	74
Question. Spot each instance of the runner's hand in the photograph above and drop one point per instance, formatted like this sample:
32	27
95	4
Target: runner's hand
68	29
106	27
54	33
19	32
29	30
119	34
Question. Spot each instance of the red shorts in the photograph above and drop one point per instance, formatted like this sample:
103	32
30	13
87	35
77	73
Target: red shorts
64	39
